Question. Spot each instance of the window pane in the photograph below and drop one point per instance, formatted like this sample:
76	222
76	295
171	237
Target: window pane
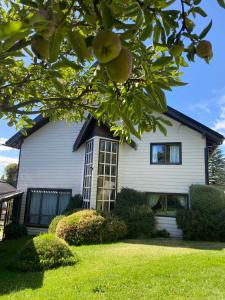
107	183
108	146
64	199
34	219
102	145
158	153
114	147
107	169
107	158
101	157
35	202
100	181
114	162
174	154
45	220
49	204
101	169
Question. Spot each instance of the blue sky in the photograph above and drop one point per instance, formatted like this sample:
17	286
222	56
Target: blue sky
202	99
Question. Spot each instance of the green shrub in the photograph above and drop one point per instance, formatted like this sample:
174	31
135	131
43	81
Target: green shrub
43	252
75	203
161	233
14	231
54	223
89	227
114	230
219	221
132	206
196	225
206	199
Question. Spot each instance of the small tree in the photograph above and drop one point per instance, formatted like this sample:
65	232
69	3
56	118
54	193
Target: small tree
11	173
217	168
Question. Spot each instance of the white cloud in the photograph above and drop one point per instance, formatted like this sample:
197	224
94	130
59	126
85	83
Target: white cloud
5	160
4	148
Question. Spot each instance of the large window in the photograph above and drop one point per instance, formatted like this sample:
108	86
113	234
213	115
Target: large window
165	154
107	175
44	204
167	204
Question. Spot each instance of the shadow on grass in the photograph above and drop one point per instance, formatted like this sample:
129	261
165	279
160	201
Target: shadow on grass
169	242
13	281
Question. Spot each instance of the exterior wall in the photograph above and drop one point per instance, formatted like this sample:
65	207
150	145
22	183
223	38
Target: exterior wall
170	225
135	170
47	160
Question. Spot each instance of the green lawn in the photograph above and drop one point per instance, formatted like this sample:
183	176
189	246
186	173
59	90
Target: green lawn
135	269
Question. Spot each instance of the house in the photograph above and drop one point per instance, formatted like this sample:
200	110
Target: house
58	160
9	205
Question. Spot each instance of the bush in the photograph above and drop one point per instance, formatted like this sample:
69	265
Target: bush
133	207
75	203
14	231
114	230
162	233
89	227
43	252
54	223
206	199
219	220
196	225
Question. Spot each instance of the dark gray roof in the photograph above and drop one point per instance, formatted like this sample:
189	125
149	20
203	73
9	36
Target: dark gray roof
7	191
213	138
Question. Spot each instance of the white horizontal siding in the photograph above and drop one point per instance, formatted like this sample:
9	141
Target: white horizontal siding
170	225
135	170
47	160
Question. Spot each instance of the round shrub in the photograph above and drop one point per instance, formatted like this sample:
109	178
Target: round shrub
206	199
43	252
54	223
143	227
14	231
90	227
114	230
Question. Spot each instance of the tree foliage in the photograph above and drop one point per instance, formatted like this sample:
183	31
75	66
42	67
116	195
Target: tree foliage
47	64
217	168
11	173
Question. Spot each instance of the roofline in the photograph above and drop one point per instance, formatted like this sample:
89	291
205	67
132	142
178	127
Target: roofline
212	136
9	195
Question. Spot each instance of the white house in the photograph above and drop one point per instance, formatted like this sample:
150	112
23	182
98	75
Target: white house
58	160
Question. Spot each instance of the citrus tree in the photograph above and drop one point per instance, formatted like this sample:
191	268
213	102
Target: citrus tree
111	58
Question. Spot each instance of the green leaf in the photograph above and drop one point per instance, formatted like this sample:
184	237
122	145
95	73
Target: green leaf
55	44
221	3
65	63
162	128
162	61
7	30
77	41
130	125
107	17
200	11
206	30
29	3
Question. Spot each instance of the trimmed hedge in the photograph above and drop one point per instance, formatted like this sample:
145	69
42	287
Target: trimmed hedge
206	218
206	199
132	206
43	252
14	231
90	227
54	223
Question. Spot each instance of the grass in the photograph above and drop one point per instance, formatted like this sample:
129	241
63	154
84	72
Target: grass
135	269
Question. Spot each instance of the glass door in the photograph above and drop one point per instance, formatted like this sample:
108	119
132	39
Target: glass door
88	166
107	175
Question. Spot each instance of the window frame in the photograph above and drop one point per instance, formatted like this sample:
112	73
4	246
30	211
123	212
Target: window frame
116	174
179	144
170	194
28	201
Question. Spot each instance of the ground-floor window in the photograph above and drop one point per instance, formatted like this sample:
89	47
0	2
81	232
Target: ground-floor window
44	204
167	204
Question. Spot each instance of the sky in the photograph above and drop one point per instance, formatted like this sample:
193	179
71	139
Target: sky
203	98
